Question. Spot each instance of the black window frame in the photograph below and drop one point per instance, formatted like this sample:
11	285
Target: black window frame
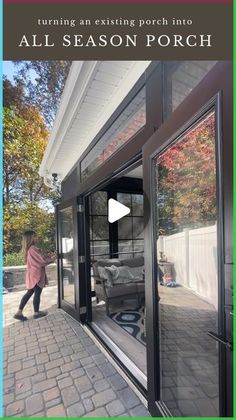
113	238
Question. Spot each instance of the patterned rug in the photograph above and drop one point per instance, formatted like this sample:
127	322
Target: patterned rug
132	321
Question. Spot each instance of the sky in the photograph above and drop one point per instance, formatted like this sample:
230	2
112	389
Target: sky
8	69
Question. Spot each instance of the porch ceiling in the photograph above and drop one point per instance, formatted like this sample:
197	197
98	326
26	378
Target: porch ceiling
93	91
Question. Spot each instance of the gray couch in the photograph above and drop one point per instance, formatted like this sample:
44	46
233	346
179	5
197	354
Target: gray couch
110	286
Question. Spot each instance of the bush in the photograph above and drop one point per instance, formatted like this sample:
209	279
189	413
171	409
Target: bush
10	260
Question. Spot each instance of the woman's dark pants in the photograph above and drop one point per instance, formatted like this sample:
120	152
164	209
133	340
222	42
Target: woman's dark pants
36	302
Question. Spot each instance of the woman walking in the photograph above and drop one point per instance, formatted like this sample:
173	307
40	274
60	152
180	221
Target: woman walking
36	277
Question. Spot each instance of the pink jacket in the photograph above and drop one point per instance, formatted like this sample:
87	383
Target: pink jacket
35	268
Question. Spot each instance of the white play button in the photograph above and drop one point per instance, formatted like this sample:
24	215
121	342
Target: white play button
116	210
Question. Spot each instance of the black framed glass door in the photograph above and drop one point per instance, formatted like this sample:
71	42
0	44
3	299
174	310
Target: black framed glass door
68	257
188	280
188	332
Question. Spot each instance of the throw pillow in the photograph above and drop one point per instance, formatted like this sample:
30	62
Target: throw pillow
113	270
120	275
105	274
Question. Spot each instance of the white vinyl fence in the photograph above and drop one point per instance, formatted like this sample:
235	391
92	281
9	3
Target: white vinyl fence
194	254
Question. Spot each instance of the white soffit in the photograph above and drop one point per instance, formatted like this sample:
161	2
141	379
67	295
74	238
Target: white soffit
93	91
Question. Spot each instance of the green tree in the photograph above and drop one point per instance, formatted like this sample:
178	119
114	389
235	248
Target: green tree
24	142
12	126
44	82
17	218
27	201
14	95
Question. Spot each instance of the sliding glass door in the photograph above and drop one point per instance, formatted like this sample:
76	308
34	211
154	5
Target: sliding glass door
188	281
188	332
68	257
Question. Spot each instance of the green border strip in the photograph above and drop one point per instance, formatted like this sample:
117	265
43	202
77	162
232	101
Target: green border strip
1	212
234	191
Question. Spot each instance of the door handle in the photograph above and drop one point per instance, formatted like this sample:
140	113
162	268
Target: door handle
215	336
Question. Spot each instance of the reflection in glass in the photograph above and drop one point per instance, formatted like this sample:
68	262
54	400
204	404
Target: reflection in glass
183	78
138	228
139	246
124	198
67	246
100	228
187	272
125	228
137	205
98	203
127	124
117	276
125	246
101	249
131	227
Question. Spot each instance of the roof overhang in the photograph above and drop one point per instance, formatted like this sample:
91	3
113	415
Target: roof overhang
93	91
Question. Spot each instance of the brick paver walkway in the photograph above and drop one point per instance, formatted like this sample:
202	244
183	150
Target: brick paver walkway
53	369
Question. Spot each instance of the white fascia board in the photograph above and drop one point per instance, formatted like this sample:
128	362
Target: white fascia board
77	80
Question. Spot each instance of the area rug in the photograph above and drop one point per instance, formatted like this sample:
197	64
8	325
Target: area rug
132	321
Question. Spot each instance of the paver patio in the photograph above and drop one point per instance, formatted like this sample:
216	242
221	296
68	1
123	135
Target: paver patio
52	368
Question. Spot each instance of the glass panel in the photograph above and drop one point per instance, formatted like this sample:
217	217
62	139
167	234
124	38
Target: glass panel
100	228
91	228
137	205
183	78
125	199
125	228
99	203
139	246
138	227
102	257
67	245
187	271
117	282
125	246
100	248
125	257
129	122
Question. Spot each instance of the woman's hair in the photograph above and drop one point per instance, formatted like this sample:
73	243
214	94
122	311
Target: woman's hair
27	241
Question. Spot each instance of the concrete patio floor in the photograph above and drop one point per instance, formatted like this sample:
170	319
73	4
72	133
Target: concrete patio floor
52	368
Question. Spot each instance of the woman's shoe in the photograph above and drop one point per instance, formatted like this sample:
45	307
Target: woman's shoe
20	317
40	314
